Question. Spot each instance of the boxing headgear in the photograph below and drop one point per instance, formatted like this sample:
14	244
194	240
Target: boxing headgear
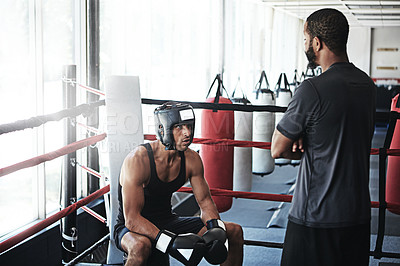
167	116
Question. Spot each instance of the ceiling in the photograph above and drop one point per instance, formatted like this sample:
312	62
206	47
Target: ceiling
367	13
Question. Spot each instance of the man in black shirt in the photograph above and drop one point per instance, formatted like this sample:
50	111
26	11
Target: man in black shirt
329	124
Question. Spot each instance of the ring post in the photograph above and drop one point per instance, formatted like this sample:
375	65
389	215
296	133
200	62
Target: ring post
69	232
382	187
93	78
382	204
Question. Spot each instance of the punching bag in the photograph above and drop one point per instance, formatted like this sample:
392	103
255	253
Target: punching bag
263	128
218	159
283	96
242	163
393	166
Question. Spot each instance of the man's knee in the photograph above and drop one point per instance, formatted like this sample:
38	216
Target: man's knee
235	233
137	247
143	244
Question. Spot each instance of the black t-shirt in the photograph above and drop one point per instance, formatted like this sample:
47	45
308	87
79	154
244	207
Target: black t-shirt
335	114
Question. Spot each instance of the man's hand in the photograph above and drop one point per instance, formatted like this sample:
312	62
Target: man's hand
298	145
216	242
186	248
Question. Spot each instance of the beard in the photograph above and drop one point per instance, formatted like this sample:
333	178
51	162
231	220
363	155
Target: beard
311	57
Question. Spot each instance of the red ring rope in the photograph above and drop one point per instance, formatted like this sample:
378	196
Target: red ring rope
12	241
52	155
94	214
92	90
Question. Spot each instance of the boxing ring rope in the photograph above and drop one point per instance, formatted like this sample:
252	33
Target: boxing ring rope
86	108
94	214
66	211
102	178
83	109
52	155
223	106
72	82
88	128
12	241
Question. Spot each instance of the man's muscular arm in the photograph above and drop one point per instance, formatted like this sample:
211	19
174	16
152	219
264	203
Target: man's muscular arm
215	237
283	147
200	187
134	175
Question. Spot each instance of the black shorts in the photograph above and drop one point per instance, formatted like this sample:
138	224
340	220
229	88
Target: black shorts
326	246
175	224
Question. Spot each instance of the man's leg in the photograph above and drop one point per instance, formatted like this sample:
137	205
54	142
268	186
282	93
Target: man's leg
355	245
325	246
300	247
234	233
137	247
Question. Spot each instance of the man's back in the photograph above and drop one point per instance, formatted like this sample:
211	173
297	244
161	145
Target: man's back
336	111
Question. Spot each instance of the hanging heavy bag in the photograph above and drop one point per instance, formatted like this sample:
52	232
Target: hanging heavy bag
283	97
263	128
242	165
393	166
218	159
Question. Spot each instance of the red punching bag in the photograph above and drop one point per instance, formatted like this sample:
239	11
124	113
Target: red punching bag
218	159
393	168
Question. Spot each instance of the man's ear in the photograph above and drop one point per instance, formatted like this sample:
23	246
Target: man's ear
317	43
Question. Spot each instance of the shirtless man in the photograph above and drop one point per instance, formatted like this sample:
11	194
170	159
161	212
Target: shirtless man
147	230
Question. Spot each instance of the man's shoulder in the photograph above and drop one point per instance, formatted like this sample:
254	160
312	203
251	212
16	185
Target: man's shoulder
137	155
135	166
191	154
306	88
193	160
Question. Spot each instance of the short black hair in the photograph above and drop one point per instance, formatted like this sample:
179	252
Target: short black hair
331	27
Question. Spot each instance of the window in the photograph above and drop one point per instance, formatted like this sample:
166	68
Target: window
40	39
16	102
173	46
58	49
